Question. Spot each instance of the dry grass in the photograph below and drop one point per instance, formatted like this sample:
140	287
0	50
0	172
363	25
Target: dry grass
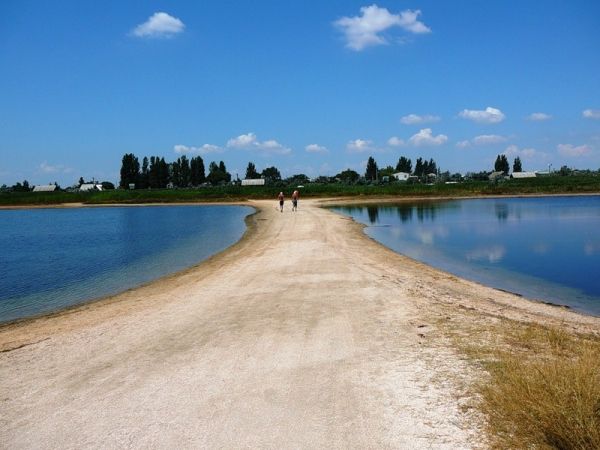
543	388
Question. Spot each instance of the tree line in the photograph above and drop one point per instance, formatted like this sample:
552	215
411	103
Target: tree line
156	173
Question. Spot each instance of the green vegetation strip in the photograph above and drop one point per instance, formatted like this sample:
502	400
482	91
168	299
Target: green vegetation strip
540	185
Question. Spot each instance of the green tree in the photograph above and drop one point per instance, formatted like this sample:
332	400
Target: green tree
404	165
348	176
386	171
517	165
251	173
81	181
197	175
419	168
271	174
184	167
299	178
175	173
501	164
371	171
130	170
163	173
217	173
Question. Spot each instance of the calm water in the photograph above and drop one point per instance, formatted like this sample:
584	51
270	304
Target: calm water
544	248
52	258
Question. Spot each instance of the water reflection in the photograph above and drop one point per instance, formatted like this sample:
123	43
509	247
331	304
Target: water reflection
373	212
552	240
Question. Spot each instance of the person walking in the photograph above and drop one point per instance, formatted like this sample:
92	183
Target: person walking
295	196
280	198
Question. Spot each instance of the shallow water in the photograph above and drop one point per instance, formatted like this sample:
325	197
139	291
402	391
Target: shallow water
53	258
546	248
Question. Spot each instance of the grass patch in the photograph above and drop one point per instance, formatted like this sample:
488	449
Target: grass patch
543	388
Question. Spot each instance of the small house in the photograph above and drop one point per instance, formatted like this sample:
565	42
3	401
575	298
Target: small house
85	187
255	182
401	176
519	175
45	188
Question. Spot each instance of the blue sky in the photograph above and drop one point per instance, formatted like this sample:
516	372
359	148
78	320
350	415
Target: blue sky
308	86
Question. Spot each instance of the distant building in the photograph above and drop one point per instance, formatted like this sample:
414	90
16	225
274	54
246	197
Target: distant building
496	176
401	176
256	182
45	188
523	175
85	187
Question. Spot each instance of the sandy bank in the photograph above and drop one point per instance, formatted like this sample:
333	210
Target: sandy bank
304	334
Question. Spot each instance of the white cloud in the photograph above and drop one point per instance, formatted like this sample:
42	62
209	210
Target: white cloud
425	137
249	141
591	113
50	168
395	142
365	30
360	146
414	119
571	150
488	139
316	148
159	24
525	153
202	150
489	115
242	141
539	117
463	144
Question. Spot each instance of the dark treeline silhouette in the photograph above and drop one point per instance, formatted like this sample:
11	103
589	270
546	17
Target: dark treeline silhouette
156	173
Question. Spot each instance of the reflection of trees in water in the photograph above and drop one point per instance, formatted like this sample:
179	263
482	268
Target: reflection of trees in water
426	211
373	212
501	211
405	213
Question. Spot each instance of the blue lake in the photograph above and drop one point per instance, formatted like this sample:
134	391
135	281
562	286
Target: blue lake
54	258
545	248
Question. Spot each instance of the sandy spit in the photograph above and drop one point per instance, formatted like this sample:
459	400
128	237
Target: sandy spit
304	334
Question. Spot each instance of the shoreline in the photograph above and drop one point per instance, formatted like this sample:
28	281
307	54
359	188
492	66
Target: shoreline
95	306
251	224
306	331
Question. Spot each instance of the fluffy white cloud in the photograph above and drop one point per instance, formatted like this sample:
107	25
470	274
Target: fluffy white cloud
591	113
360	146
395	142
571	150
242	141
525	153
425	137
463	144
488	139
159	24
489	115
316	148
202	150
414	119
539	117
249	141
365	30
58	168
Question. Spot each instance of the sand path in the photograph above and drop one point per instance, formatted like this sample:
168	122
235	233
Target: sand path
305	334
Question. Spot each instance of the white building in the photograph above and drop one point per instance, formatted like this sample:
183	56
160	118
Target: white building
257	182
401	176
45	188
90	187
523	175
